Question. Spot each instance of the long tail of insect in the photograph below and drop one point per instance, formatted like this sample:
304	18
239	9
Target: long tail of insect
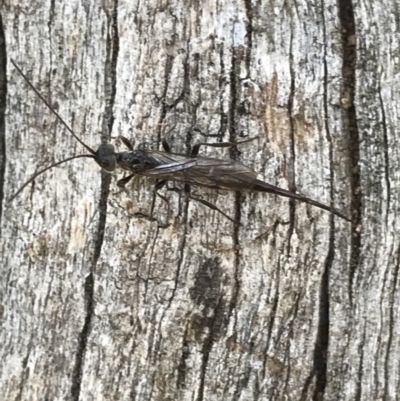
262	186
44	170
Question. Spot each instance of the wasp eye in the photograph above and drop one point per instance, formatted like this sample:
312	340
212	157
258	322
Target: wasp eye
108	164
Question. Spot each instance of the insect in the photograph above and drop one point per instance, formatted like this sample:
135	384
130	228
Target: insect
214	173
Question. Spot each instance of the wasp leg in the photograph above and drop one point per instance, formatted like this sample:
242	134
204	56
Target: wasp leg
210	205
213	207
123	181
165	146
159	185
126	142
196	148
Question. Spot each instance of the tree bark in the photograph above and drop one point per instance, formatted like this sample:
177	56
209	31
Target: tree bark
102	301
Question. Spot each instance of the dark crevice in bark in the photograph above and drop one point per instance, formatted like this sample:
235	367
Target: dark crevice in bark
110	73
89	287
165	108
78	369
178	269
176	283
392	322
185	94
304	392
243	380
221	83
51	17
292	156
249	34
25	375
346	16
182	367
386	153
50	78
110	91
287	358
152	249
273	316
207	346
233	154
186	84
3	105
322	339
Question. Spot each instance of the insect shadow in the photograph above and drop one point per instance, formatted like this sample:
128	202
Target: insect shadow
163	166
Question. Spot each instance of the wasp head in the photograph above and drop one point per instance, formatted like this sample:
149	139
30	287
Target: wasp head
106	158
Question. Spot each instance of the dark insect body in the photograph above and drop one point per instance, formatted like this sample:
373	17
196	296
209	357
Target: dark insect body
214	173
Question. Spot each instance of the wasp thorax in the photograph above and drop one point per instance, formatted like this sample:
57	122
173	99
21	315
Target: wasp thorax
105	157
136	161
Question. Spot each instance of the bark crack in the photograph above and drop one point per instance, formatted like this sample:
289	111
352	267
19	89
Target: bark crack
50	78
221	83
292	156
110	73
307	384
182	367
249	34
25	375
164	109
346	17
110	92
238	196
322	340
80	354
164	106
3	105
176	282
206	351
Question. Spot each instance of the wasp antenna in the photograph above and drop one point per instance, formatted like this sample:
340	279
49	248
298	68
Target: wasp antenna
44	170
52	110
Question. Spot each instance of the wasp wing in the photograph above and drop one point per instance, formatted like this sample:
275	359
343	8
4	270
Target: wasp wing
221	174
170	168
215	173
202	171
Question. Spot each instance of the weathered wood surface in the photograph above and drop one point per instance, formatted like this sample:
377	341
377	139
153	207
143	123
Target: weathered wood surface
99	302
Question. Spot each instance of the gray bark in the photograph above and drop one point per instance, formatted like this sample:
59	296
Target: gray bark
101	302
